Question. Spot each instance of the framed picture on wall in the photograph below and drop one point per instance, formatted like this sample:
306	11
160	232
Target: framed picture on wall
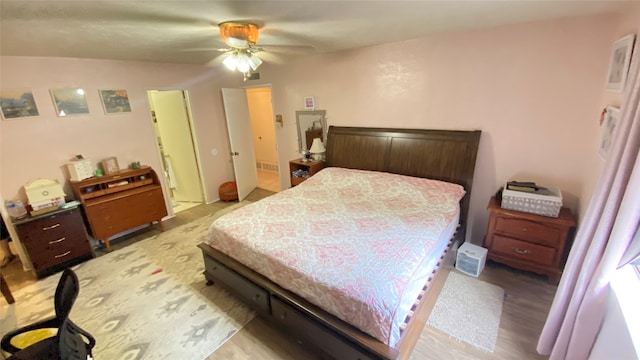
309	103
619	63
17	103
71	101
115	101
610	120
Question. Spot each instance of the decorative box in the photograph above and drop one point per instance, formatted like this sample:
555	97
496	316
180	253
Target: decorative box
530	202
80	169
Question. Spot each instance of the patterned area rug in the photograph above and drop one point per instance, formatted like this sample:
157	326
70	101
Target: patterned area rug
145	301
469	310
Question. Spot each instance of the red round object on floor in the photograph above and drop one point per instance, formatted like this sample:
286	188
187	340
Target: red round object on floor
228	191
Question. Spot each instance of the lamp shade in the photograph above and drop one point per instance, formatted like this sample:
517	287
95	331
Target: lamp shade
317	147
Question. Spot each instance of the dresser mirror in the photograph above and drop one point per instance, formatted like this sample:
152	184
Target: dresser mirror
311	124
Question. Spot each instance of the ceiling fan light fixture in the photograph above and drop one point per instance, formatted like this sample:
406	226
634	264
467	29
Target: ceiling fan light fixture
239	34
242	60
230	62
254	62
243	66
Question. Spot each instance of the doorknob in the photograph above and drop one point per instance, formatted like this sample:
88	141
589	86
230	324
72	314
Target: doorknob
235	153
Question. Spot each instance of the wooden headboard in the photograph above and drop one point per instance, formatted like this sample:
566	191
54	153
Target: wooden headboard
446	155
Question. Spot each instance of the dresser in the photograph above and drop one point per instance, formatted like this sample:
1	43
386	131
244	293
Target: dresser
527	241
55	240
121	201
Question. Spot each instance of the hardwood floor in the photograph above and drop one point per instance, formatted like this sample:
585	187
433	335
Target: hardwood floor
524	311
527	302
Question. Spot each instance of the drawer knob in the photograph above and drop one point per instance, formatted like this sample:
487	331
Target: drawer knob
57	241
283	316
521	251
525	229
62	255
50	227
256	297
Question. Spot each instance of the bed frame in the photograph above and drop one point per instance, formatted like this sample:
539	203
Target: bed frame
436	154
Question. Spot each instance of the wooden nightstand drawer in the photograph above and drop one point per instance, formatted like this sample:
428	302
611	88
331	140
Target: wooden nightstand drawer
523	250
528	231
528	241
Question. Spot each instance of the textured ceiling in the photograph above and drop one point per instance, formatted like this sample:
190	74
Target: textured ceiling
186	31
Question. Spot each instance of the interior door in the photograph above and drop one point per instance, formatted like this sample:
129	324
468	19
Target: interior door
236	111
177	145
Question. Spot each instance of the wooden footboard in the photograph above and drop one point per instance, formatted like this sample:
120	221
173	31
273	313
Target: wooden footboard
308	324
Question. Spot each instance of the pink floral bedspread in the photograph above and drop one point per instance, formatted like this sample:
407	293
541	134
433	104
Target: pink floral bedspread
358	244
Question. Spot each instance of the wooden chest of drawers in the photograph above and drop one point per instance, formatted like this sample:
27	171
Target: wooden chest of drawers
55	240
528	241
121	201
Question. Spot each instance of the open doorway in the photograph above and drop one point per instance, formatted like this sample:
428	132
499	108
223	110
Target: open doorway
264	139
171	116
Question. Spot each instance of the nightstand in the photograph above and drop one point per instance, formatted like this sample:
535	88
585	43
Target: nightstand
311	167
54	240
527	241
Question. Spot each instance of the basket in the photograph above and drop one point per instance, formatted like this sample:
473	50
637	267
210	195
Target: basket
228	191
545	205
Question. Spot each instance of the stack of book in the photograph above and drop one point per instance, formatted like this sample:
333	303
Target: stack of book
529	187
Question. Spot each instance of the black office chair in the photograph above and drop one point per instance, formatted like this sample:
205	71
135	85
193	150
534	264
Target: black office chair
69	343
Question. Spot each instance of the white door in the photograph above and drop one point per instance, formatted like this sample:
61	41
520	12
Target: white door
177	146
236	111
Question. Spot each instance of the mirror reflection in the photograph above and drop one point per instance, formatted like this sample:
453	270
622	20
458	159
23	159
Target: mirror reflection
311	124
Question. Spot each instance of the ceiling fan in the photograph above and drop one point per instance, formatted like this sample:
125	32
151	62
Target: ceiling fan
241	39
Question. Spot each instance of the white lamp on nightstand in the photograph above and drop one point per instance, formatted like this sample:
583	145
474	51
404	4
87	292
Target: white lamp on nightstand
317	149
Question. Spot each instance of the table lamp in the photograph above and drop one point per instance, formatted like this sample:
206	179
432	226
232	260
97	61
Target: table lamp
317	149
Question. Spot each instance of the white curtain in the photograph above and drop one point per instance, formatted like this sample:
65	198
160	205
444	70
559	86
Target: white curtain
604	236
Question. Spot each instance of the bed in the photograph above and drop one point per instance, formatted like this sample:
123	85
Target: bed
351	301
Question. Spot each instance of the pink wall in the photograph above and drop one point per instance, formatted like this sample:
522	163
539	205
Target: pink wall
40	146
535	90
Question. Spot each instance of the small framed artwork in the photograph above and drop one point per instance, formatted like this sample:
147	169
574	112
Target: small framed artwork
115	101
110	165
619	63
17	103
309	103
610	119
72	101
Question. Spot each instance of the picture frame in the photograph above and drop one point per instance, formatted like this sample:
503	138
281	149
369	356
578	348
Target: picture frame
70	101
309	103
619	63
115	101
110	165
17	103
610	120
